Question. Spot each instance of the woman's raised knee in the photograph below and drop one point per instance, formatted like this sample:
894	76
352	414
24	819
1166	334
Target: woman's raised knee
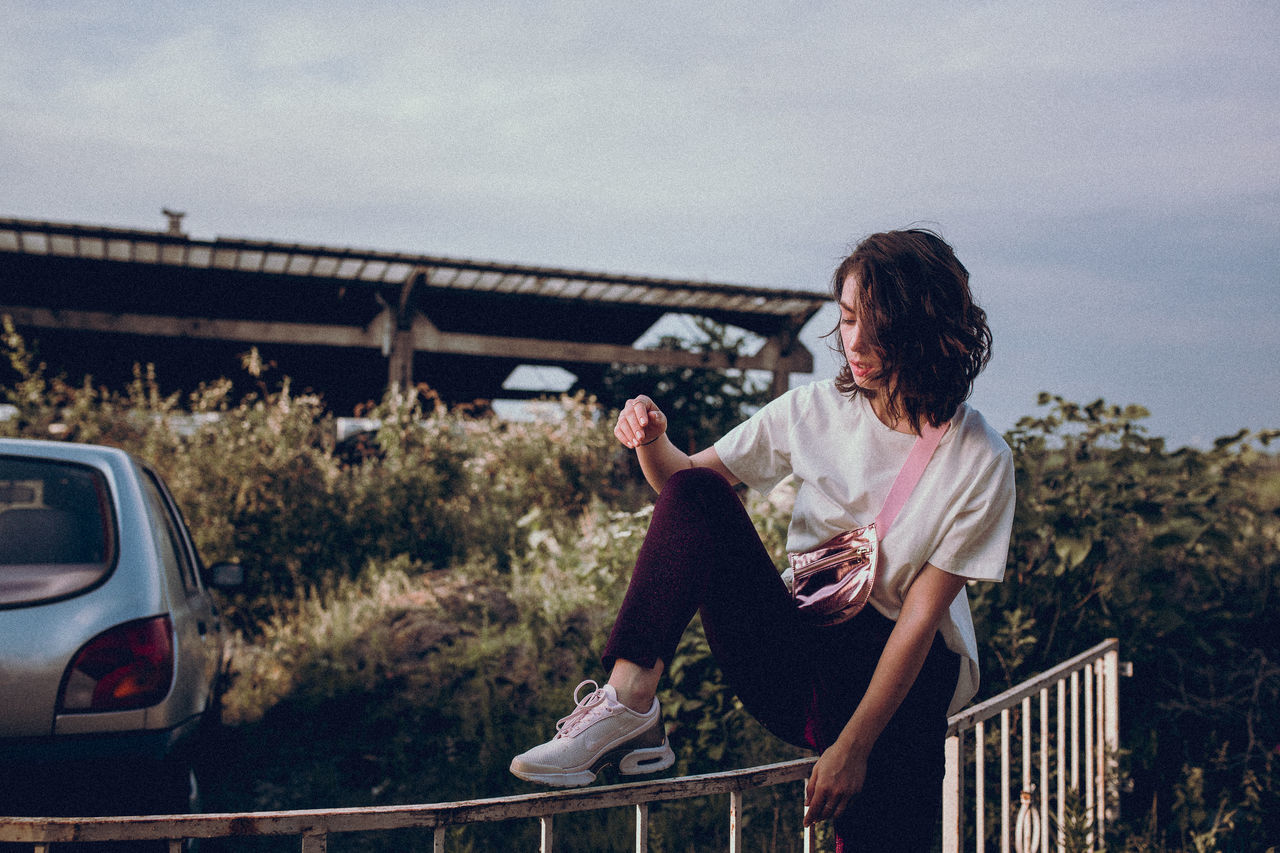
698	483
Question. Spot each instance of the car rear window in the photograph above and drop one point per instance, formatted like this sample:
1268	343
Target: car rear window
56	530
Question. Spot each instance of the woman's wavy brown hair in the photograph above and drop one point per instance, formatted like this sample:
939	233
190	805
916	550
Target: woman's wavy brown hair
916	311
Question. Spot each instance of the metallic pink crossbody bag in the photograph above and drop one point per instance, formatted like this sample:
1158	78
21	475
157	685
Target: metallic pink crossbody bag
832	582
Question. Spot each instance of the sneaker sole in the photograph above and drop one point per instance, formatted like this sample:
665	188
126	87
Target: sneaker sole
631	762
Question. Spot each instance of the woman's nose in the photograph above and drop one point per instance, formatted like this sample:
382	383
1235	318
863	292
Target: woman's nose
855	339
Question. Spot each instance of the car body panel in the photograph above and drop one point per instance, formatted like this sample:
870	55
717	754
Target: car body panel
156	573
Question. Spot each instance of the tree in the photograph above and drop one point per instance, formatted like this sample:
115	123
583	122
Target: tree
701	404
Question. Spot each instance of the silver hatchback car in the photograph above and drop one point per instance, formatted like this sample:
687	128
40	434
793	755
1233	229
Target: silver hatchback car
111	648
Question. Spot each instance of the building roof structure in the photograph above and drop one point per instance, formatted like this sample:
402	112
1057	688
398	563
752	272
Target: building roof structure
349	322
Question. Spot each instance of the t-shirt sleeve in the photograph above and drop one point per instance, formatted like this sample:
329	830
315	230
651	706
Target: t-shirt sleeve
758	450
976	544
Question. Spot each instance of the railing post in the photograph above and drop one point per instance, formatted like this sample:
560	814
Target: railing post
1006	835
735	822
547	842
642	828
1112	660
314	842
980	786
1044	769
952	785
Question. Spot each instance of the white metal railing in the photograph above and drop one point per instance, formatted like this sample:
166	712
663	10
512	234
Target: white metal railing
1096	669
1085	767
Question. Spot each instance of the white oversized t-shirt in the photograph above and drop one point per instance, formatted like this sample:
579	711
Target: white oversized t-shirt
844	460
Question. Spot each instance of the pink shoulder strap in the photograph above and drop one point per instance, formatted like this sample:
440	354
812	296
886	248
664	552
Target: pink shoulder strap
912	469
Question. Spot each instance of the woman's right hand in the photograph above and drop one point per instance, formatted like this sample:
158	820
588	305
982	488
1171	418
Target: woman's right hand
640	422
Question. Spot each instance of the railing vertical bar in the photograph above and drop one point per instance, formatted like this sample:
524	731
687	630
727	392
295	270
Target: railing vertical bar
1026	744
1113	723
437	839
1088	752
952	793
735	822
1044	769
1004	782
314	842
642	828
1101	785
810	838
1026	811
1062	763
980	786
1075	731
546	842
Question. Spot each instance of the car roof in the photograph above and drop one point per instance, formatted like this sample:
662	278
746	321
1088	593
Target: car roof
67	451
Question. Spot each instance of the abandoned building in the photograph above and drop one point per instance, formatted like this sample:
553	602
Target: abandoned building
347	323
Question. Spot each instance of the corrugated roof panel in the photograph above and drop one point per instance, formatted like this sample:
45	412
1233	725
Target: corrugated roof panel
120	250
488	280
275	262
467	279
441	277
250	260
397	272
35	242
326	265
93	247
349	268
300	264
146	252
200	256
573	288
507	283
552	286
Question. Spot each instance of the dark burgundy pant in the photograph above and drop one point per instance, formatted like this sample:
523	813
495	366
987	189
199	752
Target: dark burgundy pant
801	681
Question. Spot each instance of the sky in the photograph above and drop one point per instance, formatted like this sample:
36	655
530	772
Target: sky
1109	173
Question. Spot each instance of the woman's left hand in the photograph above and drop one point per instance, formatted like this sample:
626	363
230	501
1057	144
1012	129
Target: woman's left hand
836	779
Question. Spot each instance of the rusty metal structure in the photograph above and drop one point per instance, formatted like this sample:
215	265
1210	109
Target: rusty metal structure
349	323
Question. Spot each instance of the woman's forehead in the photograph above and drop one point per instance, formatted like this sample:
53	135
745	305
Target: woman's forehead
849	292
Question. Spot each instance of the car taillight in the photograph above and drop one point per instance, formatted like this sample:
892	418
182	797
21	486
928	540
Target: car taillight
127	667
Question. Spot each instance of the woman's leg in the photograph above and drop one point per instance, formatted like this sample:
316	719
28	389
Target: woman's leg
702	552
900	806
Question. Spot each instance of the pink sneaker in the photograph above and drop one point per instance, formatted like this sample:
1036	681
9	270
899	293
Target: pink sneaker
599	731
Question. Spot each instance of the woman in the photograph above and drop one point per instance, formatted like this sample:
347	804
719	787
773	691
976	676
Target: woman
872	693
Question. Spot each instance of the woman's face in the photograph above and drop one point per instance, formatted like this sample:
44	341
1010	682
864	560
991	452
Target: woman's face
862	358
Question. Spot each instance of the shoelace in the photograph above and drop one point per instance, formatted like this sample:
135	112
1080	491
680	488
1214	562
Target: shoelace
582	716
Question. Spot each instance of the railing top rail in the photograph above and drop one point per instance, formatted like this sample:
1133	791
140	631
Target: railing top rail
984	710
375	818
